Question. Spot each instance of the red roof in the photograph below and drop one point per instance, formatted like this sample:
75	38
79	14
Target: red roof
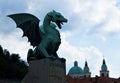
93	80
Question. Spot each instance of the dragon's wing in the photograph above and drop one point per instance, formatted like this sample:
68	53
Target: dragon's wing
30	26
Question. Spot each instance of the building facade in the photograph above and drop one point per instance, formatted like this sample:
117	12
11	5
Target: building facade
78	75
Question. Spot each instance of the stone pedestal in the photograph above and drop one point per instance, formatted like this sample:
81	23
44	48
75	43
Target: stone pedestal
46	71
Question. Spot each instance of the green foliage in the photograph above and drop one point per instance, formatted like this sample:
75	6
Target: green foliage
15	58
1	50
11	66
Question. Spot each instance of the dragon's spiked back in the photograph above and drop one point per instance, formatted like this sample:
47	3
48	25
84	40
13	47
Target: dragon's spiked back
30	26
57	17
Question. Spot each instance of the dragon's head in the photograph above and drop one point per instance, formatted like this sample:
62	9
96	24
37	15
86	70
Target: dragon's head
57	18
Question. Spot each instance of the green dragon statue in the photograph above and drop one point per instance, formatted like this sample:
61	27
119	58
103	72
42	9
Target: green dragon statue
46	38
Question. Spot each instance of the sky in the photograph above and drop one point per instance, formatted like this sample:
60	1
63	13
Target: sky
92	32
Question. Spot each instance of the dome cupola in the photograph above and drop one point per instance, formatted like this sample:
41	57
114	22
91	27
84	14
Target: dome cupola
75	69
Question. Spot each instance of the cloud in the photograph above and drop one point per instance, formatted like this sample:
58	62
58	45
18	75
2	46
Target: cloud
10	7
103	17
116	71
73	53
95	17
118	3
13	6
93	54
45	6
86	19
15	44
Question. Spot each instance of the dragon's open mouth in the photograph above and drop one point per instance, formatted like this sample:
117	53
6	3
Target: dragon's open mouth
60	23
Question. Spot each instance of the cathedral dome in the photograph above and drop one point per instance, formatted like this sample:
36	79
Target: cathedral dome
75	69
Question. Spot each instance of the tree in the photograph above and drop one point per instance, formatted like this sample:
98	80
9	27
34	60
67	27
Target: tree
15	58
6	54
11	66
1	50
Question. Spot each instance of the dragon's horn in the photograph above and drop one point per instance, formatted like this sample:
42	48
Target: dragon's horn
54	11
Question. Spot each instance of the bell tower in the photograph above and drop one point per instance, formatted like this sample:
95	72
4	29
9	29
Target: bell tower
104	71
87	72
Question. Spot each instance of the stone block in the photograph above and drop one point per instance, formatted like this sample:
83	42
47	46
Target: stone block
46	71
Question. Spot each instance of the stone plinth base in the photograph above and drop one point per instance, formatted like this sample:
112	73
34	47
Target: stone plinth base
46	71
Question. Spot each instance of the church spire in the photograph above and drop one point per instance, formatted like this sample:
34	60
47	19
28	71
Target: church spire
103	61
86	70
104	66
104	71
86	63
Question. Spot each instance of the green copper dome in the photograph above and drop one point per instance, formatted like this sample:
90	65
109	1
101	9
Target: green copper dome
75	69
104	66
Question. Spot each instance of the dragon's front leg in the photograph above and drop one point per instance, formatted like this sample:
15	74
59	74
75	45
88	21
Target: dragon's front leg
40	51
